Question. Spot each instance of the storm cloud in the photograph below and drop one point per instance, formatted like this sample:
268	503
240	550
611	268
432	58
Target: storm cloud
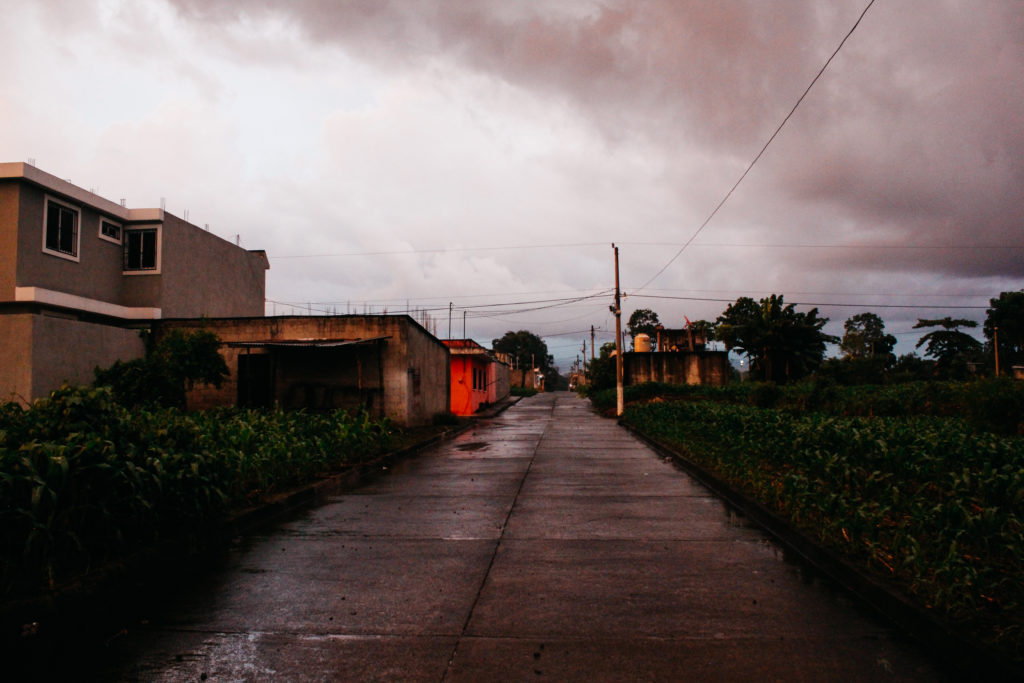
437	131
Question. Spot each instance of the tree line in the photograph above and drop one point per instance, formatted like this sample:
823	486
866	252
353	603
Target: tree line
782	344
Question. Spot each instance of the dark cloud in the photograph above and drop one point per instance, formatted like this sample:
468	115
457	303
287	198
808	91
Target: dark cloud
915	133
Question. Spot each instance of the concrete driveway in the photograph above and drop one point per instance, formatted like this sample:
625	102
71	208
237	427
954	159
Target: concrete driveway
545	544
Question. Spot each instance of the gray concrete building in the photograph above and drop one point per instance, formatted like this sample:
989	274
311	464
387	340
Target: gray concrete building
675	367
81	276
388	364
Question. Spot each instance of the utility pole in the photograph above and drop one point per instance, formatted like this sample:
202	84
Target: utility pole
620	400
995	344
450	319
591	343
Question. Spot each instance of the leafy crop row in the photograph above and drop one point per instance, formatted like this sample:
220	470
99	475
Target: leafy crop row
933	503
84	480
992	404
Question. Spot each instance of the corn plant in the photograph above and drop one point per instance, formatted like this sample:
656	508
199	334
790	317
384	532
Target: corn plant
935	504
84	480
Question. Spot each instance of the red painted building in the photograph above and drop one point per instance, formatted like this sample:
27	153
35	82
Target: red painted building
477	377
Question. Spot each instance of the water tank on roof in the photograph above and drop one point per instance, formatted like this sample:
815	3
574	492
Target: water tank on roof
642	343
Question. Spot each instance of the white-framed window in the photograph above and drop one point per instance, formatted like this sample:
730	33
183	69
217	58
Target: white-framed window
110	231
60	229
141	249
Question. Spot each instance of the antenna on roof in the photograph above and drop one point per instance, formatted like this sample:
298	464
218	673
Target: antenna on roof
32	162
163	203
207	226
186	215
124	202
238	240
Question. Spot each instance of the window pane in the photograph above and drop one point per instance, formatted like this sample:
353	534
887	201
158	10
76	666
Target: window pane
140	249
68	231
52	226
149	249
132	240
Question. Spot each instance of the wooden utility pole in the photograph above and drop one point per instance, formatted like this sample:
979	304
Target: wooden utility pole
995	345
620	400
591	343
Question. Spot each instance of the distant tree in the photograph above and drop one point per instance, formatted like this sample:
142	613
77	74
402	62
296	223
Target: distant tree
705	327
864	336
601	371
1007	313
526	349
781	343
642	321
950	347
944	344
911	368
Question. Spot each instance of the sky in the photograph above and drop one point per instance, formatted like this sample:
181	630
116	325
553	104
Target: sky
474	161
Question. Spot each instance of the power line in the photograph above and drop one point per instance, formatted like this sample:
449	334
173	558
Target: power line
747	291
716	245
811	303
908	247
445	250
763	149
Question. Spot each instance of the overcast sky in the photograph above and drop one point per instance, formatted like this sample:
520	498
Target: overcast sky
487	153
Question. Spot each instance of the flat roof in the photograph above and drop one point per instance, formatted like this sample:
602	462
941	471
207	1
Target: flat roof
302	343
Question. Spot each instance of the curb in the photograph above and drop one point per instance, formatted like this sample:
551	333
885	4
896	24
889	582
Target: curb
968	656
498	408
251	519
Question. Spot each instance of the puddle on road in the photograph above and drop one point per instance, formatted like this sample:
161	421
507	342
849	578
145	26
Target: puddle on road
472	446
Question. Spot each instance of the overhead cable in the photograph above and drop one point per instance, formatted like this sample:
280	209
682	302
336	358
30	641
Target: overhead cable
763	149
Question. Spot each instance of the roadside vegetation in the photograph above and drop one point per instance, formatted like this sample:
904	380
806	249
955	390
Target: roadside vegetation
911	468
90	475
921	484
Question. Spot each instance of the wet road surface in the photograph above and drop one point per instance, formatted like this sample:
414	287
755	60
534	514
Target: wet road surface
544	544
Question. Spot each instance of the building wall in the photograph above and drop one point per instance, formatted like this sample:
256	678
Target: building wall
16	364
67	350
204	275
523	378
9	209
415	363
466	399
497	382
42	351
428	376
701	367
96	274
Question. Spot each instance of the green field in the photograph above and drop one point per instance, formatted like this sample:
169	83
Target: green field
932	502
84	481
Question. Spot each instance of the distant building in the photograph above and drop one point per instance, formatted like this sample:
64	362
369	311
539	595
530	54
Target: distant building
675	367
389	365
81	276
478	377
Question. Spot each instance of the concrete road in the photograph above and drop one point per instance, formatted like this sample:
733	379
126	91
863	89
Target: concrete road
544	544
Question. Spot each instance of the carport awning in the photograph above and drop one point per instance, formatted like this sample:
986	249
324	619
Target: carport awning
303	343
